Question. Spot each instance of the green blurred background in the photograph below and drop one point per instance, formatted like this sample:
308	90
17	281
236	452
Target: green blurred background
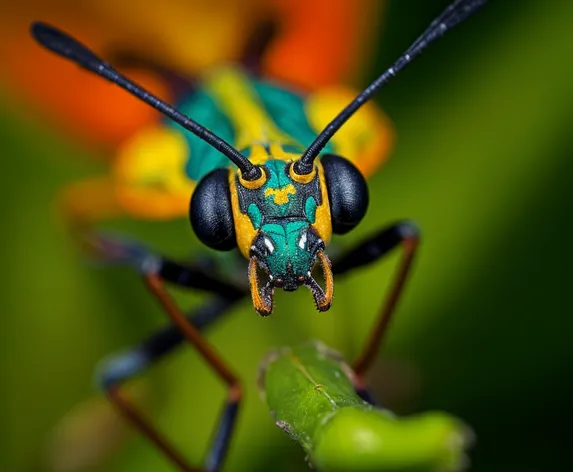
483	164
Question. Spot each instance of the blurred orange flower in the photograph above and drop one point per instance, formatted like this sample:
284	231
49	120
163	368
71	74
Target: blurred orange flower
317	43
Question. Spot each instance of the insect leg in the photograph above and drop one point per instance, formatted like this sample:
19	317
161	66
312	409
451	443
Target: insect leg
122	366
362	390
190	332
88	202
404	233
122	250
157	269
114	371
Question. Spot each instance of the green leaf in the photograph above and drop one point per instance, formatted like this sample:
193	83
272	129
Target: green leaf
310	393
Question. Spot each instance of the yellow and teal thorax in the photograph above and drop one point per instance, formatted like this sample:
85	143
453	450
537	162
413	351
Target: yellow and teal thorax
260	119
158	169
268	125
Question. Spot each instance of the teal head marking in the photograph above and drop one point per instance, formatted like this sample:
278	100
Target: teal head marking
286	252
284	221
286	245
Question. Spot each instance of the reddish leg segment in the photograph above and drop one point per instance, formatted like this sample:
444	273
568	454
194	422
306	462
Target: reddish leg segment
405	234
193	336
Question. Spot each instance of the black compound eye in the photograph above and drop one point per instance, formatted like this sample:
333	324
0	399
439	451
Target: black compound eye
211	211
347	192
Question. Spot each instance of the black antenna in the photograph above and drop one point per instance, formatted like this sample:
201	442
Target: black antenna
67	47
458	11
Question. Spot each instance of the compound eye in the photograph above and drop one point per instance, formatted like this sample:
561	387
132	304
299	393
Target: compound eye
347	192
211	211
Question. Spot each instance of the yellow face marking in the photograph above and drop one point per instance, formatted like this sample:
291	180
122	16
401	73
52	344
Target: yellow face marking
260	305
281	194
323	223
244	230
328	279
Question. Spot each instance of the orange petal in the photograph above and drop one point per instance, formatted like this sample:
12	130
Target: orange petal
322	41
81	103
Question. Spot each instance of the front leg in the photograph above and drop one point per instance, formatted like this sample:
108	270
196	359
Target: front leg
124	251
404	233
211	357
82	215
114	371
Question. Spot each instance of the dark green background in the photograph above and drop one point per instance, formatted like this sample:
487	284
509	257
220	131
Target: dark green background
483	162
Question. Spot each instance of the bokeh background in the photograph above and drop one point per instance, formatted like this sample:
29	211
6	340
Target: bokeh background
483	162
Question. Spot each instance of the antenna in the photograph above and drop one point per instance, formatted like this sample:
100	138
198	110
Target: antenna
457	12
69	48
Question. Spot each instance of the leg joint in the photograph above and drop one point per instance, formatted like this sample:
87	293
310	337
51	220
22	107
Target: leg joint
120	367
409	230
235	392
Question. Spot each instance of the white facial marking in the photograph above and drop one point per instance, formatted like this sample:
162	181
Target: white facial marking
269	245
302	241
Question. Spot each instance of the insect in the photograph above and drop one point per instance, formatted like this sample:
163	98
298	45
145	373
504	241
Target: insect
313	396
276	194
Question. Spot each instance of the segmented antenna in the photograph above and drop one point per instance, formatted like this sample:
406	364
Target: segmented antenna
457	12
69	48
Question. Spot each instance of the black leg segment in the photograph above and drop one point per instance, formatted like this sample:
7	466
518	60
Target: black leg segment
120	368
157	270
125	365
222	439
120	250
375	247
